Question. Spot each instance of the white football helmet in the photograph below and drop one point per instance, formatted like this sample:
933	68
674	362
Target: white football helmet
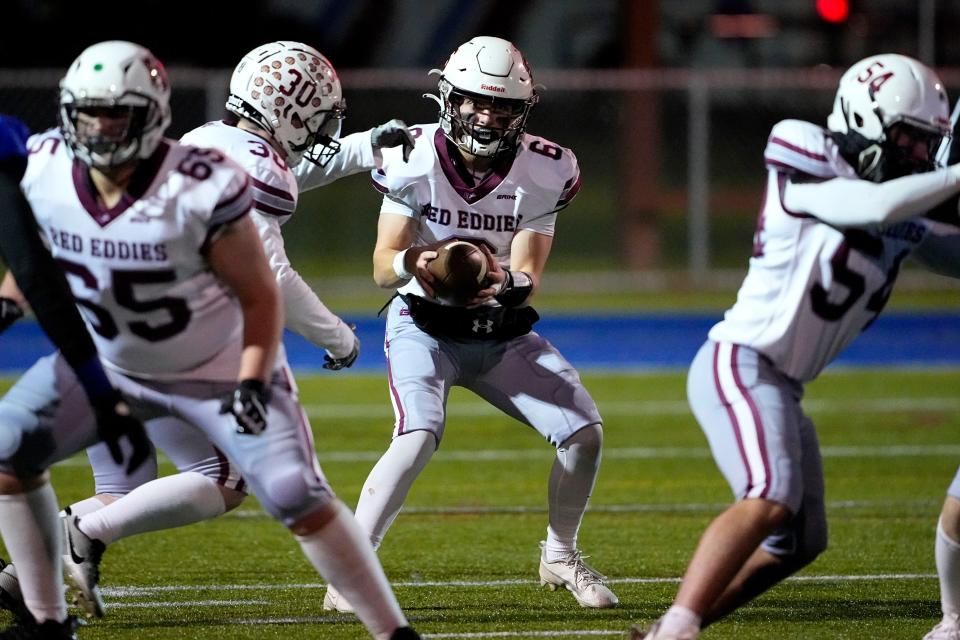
494	71
883	94
123	80
292	92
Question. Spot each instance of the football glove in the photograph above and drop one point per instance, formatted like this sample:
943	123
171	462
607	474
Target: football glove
115	421
335	364
10	312
248	405
393	134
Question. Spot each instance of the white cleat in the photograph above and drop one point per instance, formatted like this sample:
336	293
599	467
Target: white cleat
948	629
333	601
655	632
572	573
81	563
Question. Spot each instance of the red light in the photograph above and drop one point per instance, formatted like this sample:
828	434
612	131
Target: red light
833	10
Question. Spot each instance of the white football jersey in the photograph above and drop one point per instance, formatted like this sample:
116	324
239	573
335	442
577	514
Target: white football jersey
811	288
276	191
521	192
138	270
276	188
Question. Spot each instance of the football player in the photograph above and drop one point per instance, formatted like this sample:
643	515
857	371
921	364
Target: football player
844	206
947	537
282	151
164	259
45	288
477	175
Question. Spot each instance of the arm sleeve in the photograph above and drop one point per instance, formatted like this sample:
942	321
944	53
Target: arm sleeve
305	313
45	287
845	202
356	154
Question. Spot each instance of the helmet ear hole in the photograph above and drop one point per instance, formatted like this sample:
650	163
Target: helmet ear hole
858	119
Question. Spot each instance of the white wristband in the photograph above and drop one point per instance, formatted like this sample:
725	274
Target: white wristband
398	266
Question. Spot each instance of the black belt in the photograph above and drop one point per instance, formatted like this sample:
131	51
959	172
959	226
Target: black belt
481	323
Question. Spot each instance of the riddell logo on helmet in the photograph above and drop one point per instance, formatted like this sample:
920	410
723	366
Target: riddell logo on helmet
491	87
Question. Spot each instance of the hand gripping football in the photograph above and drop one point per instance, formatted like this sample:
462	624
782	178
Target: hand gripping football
460	269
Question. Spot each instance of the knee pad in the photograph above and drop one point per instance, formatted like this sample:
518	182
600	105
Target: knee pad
24	452
289	495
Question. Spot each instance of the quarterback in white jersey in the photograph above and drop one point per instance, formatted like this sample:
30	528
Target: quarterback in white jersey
477	176
843	207
169	271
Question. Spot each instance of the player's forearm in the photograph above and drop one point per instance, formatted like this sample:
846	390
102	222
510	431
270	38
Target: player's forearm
9	289
307	315
262	330
356	154
844	202
384	273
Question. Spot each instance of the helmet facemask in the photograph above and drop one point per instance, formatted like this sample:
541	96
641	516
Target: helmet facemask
906	147
323	129
106	134
114	104
505	120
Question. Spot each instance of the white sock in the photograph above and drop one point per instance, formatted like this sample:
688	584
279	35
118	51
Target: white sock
32	533
85	507
677	620
947	554
164	503
571	483
343	556
389	482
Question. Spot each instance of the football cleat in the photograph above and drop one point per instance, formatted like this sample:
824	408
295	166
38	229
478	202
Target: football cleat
948	629
405	633
584	582
333	601
48	630
655	633
11	598
81	562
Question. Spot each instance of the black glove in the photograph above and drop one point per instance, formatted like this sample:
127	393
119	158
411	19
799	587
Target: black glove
335	364
10	312
115	421
248	404
393	134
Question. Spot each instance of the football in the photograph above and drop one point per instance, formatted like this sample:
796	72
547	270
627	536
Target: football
460	269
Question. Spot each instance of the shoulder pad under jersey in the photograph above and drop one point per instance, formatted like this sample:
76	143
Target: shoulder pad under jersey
795	146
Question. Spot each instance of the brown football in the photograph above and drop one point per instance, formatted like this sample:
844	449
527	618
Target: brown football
460	268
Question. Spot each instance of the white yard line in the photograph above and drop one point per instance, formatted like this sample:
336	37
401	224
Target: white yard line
667	507
185	603
645	407
529	634
134	591
616	453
